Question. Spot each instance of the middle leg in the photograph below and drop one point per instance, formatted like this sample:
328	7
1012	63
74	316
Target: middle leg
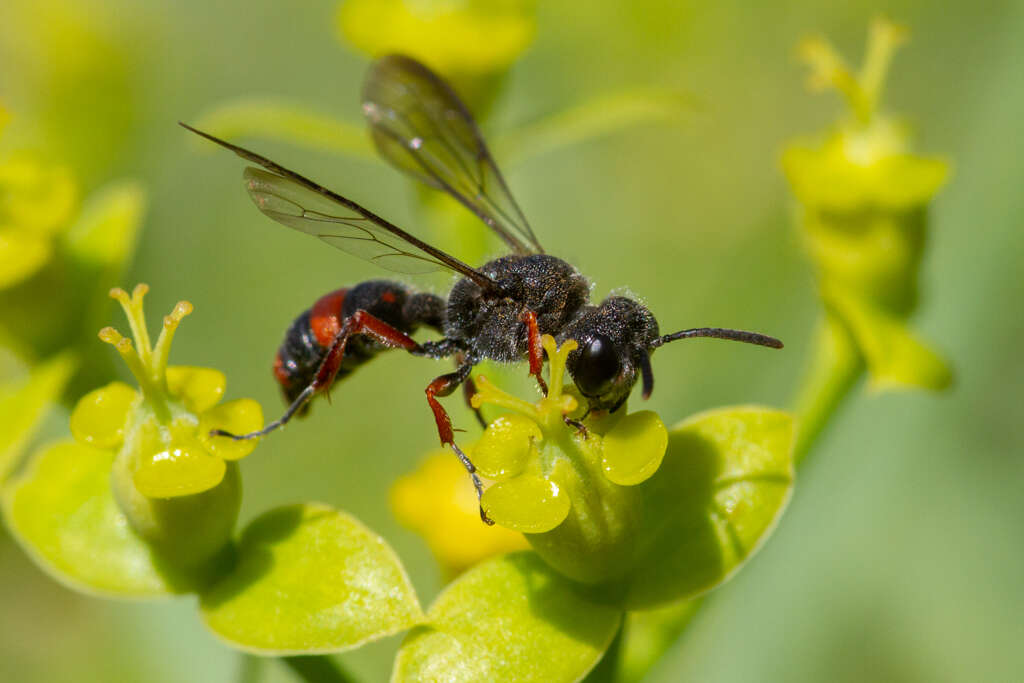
444	386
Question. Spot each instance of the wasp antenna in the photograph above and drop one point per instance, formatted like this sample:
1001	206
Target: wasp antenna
720	333
647	374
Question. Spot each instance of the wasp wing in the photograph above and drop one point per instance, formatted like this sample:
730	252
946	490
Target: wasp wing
421	126
299	203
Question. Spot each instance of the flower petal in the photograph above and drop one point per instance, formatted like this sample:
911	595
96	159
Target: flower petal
505	446
633	449
182	468
199	388
99	417
241	416
527	503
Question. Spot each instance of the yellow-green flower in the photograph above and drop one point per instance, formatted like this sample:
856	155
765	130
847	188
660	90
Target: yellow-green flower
178	486
459	38
544	468
863	209
162	429
37	202
438	502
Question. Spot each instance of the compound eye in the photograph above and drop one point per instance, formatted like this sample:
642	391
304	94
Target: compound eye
597	366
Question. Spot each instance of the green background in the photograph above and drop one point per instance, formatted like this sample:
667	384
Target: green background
901	555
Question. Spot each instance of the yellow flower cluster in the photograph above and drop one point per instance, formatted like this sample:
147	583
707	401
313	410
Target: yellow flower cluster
864	198
37	202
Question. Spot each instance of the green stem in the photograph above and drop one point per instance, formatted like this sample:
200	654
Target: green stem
607	669
277	119
835	367
317	669
250	669
598	116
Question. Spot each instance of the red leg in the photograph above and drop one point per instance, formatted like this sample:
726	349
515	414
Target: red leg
444	386
359	322
535	350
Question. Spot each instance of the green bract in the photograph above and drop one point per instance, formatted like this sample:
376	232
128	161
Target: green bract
864	199
508	619
24	401
63	512
310	579
643	514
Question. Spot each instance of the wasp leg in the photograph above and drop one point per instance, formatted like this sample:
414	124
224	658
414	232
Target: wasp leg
359	322
536	351
578	425
444	386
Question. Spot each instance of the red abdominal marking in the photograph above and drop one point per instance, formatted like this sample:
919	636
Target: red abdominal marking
325	316
280	373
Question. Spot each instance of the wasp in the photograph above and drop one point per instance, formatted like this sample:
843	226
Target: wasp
497	311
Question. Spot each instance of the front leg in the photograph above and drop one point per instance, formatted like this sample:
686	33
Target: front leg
534	349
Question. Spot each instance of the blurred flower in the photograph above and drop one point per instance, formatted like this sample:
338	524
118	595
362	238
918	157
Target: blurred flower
438	502
864	199
37	202
469	41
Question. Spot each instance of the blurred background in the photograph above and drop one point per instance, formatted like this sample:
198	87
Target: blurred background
901	554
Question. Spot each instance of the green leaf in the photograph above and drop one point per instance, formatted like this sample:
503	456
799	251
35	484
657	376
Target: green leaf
896	359
23	403
310	579
104	235
62	512
599	116
724	482
511	618
277	119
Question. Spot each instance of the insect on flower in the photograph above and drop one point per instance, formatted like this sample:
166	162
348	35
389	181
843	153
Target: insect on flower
498	311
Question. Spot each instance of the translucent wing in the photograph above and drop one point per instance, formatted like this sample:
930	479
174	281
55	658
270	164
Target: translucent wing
421	126
301	204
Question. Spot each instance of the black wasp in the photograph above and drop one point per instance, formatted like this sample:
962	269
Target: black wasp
497	311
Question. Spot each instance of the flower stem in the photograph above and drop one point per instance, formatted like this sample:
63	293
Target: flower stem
835	367
317	669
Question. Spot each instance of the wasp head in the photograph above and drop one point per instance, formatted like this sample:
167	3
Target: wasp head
615	341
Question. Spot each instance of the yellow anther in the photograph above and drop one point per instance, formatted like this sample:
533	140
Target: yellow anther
111	336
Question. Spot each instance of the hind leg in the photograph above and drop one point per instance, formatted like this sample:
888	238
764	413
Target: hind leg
359	322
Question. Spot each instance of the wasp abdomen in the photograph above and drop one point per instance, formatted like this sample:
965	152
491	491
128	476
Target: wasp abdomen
310	335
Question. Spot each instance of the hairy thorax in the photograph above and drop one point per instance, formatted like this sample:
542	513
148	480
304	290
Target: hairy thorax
492	326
